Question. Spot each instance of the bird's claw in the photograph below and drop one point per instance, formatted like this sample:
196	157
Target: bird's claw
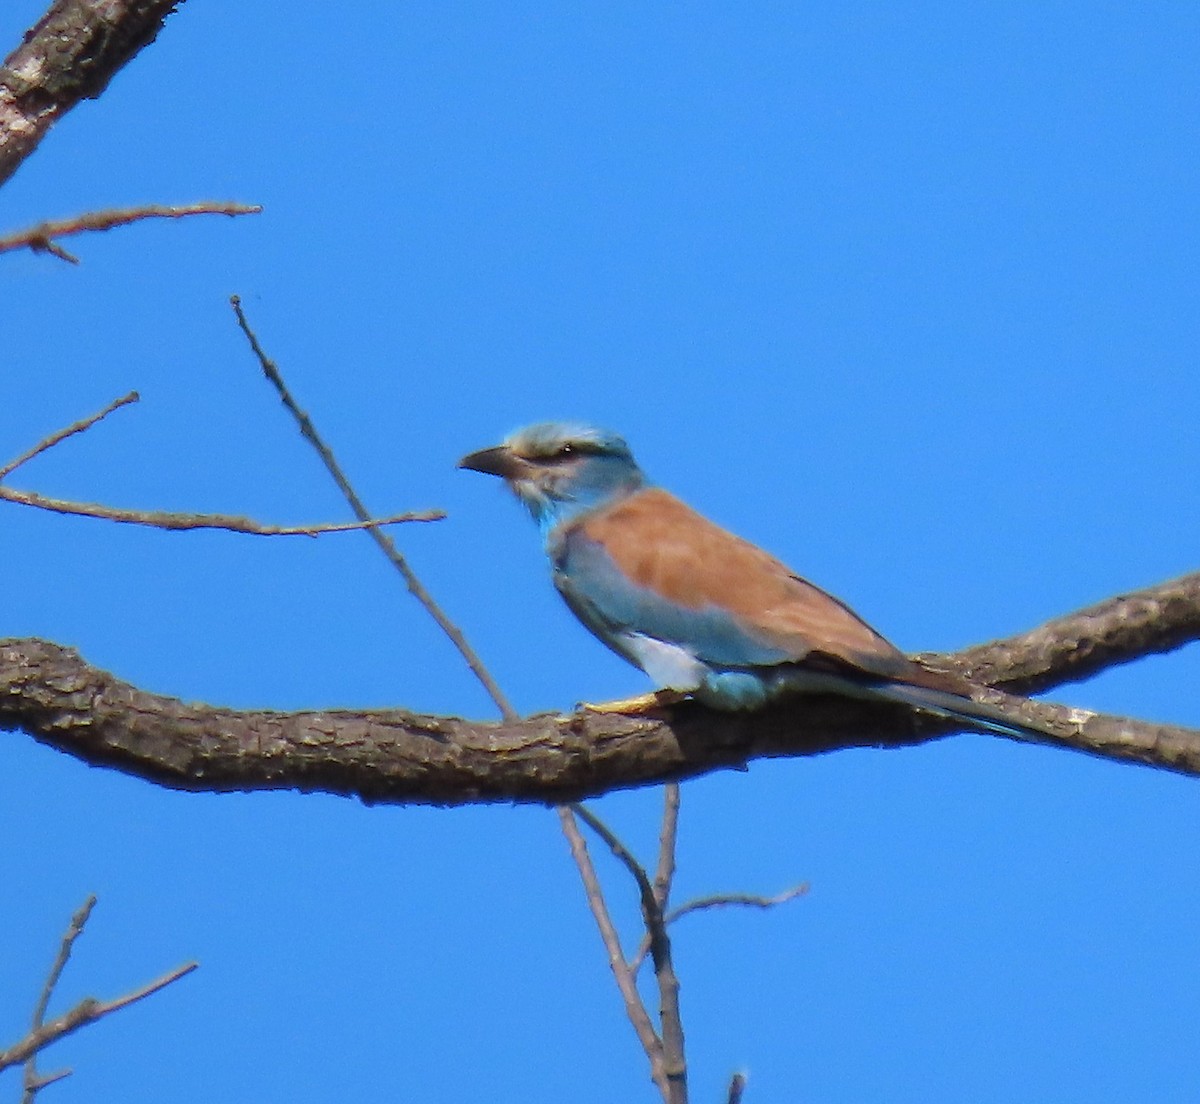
643	703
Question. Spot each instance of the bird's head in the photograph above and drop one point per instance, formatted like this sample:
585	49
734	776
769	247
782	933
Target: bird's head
561	470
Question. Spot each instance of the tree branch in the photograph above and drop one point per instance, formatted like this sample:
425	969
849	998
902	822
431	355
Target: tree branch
384	542
60	435
158	519
397	756
720	900
231	523
69	55
635	1008
1119	630
667	836
86	1012
32	1081
665	1050
41	238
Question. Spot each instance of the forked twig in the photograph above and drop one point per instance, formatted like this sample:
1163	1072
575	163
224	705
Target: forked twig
158	519
86	1012
40	238
668	1064
32	1082
635	1009
721	900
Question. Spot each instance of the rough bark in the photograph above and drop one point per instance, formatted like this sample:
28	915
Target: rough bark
397	756
69	55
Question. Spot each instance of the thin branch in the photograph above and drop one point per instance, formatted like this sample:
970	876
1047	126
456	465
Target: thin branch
147	990
74	930
157	519
32	1082
34	1087
672	1061
744	900
737	1086
70	431
386	545
667	837
634	1008
40	238
621	853
720	900
87	1011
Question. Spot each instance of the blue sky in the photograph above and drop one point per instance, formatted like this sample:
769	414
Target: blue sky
907	297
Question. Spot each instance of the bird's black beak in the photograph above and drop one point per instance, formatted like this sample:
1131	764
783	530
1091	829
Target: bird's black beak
493	461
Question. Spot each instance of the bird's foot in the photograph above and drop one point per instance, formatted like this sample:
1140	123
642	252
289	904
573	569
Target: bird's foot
643	703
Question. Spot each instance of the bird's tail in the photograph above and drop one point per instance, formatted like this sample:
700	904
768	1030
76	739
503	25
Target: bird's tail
957	707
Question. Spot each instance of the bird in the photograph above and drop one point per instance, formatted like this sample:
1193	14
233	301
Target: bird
701	611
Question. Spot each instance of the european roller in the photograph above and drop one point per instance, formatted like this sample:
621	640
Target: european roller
700	610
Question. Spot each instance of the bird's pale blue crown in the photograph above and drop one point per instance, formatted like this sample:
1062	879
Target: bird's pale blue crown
561	470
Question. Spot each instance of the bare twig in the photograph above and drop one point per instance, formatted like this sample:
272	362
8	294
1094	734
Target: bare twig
62	434
386	545
620	852
745	900
737	1086
156	519
32	1081
74	930
635	1009
32	1088
40	238
721	900
147	990
671	1055
87	1011
666	845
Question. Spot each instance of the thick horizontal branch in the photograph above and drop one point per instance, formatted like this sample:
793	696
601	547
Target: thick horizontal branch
1075	647
398	756
69	55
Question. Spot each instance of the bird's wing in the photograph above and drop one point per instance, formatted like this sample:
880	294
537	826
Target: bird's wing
651	565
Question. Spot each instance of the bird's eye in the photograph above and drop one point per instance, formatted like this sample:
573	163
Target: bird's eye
565	450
